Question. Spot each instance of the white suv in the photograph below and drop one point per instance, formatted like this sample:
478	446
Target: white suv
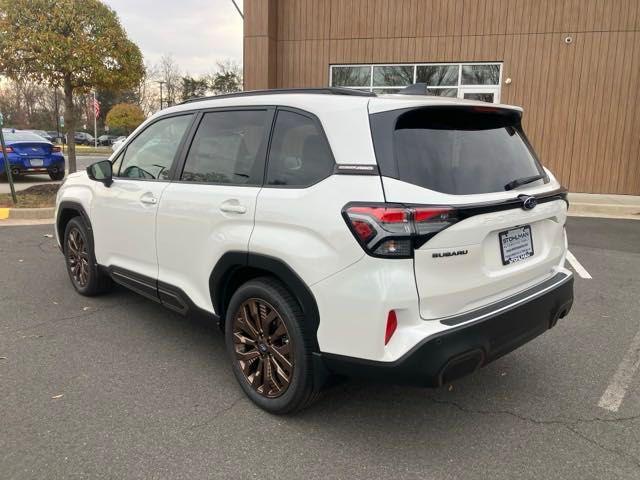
407	238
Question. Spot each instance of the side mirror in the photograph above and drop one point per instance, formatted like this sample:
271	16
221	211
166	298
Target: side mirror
101	172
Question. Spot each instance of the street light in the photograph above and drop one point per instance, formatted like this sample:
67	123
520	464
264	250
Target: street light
161	82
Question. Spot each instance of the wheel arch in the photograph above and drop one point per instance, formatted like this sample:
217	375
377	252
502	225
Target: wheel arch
235	268
68	210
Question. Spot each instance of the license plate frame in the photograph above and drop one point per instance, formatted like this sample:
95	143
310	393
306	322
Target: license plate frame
36	162
514	250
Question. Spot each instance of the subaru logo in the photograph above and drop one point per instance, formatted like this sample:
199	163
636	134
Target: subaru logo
528	203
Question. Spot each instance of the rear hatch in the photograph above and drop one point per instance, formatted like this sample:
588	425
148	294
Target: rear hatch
475	162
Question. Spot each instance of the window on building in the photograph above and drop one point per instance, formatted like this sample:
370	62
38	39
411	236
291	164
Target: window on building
299	155
473	81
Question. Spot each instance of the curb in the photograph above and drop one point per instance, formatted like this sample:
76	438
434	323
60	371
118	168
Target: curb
575	209
26	213
605	210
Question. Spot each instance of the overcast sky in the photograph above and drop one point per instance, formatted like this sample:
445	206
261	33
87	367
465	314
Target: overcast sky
196	32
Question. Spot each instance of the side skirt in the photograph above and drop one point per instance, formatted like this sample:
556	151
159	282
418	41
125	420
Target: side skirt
163	293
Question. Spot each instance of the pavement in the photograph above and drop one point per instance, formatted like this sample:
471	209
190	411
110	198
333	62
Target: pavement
25	181
119	387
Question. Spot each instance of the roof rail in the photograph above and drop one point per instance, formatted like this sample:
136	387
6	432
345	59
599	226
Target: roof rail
276	91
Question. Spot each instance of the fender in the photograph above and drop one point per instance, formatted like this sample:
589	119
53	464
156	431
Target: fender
231	264
63	217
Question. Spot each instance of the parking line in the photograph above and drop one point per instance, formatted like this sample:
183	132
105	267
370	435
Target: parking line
614	394
580	270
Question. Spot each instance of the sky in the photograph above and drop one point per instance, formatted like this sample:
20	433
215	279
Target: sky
196	32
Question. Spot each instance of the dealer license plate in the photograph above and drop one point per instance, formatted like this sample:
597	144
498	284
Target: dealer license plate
516	244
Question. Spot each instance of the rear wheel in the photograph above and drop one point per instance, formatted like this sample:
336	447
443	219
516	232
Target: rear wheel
270	347
59	175
83	270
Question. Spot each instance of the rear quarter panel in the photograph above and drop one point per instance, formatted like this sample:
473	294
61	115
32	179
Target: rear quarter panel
304	226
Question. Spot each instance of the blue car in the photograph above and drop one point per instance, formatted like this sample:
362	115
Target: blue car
31	154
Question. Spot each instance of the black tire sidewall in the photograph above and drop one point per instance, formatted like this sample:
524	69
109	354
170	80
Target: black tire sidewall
291	316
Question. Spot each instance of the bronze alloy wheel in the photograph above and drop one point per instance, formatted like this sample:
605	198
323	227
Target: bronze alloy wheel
78	257
263	348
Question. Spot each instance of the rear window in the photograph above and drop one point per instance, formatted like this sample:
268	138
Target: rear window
454	150
23	137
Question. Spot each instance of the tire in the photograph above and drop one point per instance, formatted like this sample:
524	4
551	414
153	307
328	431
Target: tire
87	279
262	298
59	175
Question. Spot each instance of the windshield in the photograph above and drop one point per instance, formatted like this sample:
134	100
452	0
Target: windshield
458	151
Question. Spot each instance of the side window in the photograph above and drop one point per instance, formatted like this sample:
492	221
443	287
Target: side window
150	155
300	155
227	148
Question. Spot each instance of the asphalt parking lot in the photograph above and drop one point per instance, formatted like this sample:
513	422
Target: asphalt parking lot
119	387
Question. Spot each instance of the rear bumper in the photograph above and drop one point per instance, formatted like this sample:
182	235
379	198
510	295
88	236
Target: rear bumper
50	164
469	344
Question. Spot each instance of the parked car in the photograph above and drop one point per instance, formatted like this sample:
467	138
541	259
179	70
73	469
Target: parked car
407	238
106	140
83	138
56	137
29	153
41	133
117	143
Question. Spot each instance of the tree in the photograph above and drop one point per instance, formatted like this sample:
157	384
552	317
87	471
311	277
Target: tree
169	73
194	87
124	117
227	79
77	45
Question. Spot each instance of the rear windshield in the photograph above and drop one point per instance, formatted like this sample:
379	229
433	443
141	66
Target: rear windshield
23	137
454	150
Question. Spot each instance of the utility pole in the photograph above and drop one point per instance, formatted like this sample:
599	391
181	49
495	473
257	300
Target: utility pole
161	82
7	165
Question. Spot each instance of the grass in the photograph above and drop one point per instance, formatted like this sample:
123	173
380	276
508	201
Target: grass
32	197
90	150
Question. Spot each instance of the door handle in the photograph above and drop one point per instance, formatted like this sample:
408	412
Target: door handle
232	206
148	198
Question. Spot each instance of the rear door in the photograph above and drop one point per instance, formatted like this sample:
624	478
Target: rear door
209	209
467	158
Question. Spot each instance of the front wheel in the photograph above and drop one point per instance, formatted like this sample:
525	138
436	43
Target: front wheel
271	347
82	267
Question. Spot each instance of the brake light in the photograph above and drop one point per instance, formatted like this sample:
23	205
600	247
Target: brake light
8	150
393	231
56	149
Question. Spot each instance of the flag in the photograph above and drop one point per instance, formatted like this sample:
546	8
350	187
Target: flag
96	107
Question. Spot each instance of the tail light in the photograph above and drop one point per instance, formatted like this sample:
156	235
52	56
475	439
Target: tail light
393	231
56	149
8	150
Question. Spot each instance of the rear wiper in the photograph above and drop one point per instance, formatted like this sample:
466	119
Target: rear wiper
518	182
